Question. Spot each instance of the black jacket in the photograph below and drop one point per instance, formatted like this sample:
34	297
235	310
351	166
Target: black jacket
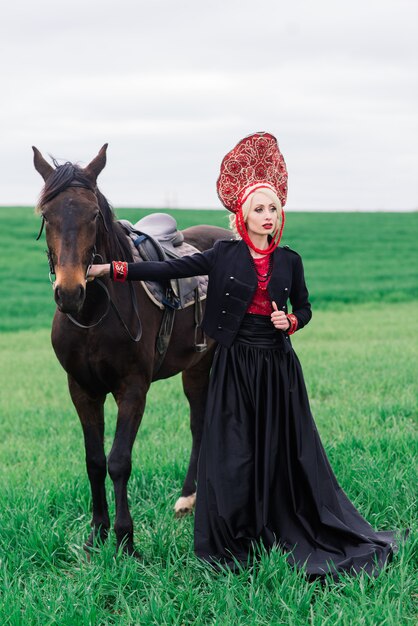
232	283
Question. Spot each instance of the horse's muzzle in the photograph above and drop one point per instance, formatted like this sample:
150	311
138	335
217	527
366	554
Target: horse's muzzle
69	300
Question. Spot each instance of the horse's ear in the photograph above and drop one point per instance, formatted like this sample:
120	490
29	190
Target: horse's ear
41	166
94	168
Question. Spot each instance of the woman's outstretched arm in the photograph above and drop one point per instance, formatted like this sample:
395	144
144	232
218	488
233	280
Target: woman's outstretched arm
192	265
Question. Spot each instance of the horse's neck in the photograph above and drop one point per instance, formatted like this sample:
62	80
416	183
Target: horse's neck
108	246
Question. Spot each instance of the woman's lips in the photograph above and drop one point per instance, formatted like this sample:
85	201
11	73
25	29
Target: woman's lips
267	226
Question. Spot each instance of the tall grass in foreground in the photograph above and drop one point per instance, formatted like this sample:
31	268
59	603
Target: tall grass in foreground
359	356
361	379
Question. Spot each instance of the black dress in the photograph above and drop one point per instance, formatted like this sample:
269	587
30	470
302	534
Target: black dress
263	474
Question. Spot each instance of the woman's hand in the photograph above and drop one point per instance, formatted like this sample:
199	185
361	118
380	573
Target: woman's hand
279	318
98	270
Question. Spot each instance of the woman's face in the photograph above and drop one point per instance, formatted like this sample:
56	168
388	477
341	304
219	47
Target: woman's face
262	216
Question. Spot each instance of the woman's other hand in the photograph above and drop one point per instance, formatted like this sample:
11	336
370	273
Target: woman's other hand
279	318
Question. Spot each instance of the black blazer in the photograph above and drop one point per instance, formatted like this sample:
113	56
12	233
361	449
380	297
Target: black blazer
232	283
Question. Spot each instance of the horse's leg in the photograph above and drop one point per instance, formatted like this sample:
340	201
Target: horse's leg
91	413
195	385
131	405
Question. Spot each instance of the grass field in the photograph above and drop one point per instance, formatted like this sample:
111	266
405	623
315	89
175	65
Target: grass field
349	258
359	356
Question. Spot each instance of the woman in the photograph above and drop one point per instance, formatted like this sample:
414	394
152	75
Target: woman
263	475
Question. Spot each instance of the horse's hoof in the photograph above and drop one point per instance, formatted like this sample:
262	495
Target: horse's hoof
185	505
134	554
128	550
96	539
87	553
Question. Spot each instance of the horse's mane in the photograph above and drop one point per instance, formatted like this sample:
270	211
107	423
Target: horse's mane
111	241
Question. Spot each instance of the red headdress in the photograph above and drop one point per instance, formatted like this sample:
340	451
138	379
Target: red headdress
255	163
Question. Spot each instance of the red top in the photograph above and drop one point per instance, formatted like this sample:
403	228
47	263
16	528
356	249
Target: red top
261	304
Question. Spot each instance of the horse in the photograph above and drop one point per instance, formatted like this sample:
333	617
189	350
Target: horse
98	345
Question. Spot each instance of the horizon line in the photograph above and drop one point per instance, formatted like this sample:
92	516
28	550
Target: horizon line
171	208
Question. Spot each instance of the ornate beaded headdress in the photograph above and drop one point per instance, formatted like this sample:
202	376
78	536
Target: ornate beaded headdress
255	163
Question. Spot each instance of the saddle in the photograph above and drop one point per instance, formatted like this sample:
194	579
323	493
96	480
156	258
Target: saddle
155	238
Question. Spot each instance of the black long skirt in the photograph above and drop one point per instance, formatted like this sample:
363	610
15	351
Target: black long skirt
263	475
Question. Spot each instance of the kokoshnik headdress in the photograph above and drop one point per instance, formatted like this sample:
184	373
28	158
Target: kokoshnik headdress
255	163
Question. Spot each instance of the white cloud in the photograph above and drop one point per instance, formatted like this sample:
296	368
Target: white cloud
174	85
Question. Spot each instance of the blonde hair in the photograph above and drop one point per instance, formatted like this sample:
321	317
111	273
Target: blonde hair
247	206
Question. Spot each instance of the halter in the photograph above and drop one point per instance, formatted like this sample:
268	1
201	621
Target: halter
109	302
52	267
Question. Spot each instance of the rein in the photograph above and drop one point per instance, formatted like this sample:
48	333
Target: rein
79	324
109	304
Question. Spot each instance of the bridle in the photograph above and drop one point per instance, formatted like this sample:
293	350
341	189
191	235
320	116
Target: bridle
52	274
74	183
95	255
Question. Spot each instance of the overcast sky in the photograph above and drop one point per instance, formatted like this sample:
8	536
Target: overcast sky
173	85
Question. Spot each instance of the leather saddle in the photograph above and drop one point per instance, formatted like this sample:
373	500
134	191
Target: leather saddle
156	238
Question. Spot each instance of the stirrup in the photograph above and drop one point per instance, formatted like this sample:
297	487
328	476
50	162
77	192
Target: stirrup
199	347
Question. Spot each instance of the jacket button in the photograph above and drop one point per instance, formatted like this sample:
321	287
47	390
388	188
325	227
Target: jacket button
219	327
283	307
223	312
286	289
227	293
231	278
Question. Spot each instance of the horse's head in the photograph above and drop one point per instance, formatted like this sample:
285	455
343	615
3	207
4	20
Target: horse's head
69	206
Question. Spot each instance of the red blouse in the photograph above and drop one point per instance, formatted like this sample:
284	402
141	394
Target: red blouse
261	304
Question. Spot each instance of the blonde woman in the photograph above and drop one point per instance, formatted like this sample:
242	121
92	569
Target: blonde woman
263	475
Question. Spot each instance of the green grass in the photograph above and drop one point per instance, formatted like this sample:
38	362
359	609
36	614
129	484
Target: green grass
364	400
361	367
348	257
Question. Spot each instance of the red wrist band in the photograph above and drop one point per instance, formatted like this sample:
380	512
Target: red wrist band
293	323
119	271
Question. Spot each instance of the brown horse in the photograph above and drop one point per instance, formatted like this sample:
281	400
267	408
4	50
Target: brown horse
103	357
